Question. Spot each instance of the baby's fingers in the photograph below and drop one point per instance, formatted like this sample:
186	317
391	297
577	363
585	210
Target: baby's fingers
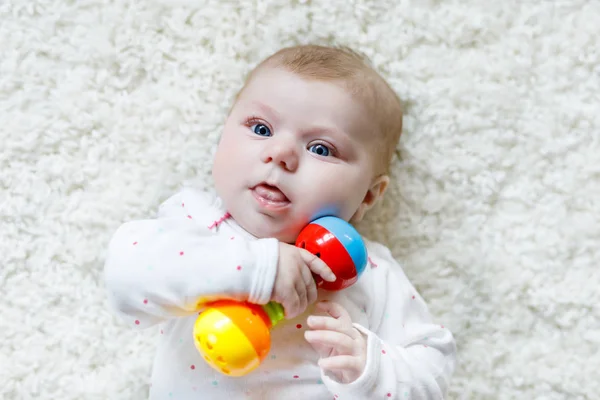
342	343
335	310
296	300
317	266
318	322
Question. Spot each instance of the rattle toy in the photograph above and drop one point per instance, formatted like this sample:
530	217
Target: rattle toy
234	337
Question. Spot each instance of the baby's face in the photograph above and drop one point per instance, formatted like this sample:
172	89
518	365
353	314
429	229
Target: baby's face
291	150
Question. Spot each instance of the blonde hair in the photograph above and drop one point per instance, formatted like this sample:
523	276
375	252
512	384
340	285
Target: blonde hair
343	64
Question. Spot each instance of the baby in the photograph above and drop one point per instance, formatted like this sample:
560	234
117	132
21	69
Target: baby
311	133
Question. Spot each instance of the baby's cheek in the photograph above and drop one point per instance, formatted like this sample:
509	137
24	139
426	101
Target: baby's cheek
348	205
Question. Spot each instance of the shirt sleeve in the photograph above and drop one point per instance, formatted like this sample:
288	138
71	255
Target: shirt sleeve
408	355
170	266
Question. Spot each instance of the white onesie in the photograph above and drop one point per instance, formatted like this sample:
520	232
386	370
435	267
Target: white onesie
159	272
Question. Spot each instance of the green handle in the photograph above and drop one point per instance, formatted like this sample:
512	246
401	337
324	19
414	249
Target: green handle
274	311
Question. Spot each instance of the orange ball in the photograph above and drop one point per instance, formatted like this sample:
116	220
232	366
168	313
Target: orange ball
233	337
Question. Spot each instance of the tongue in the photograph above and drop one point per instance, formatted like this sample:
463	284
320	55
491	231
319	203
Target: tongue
270	193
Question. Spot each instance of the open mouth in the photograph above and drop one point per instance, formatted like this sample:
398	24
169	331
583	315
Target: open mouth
270	196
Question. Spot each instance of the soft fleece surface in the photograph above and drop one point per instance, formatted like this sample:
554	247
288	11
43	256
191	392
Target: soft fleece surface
107	107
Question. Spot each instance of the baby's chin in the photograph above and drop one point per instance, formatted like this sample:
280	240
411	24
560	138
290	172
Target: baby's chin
282	236
262	226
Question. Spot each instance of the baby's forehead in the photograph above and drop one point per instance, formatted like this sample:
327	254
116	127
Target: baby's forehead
271	84
351	99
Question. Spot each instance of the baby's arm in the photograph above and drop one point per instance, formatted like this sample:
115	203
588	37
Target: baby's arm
169	266
408	356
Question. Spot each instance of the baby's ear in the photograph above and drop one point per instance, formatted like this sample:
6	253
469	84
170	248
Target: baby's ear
375	192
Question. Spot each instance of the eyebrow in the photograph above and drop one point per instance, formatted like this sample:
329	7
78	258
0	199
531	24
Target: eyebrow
332	131
276	117
268	110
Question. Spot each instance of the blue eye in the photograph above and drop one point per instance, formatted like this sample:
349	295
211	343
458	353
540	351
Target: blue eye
261	129
320	149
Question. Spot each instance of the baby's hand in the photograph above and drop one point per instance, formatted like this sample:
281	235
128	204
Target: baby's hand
295	286
342	348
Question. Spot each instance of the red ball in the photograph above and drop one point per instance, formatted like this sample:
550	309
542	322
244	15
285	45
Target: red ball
322	243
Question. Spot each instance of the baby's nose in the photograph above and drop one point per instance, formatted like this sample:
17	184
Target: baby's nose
283	154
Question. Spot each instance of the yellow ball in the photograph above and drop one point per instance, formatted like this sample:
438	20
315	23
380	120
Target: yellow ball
228	346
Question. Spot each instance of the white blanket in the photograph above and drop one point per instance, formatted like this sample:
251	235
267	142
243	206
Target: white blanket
106	108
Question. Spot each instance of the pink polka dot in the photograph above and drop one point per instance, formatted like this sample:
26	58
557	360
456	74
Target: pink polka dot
182	204
231	238
413	297
389	395
181	253
189	216
373	265
192	366
299	326
296	377
383	351
161	332
442	326
134	243
137	322
239	268
145	301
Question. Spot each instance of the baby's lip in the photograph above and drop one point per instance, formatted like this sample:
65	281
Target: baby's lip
271	192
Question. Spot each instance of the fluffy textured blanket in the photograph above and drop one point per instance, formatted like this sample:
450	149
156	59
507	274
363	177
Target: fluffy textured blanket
107	107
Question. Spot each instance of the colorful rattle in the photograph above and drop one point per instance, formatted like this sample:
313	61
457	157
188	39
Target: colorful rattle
234	337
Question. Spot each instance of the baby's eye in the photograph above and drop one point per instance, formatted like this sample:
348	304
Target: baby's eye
261	130
320	149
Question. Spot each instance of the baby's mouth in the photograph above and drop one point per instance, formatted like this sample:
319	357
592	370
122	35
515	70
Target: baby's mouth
271	193
270	197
